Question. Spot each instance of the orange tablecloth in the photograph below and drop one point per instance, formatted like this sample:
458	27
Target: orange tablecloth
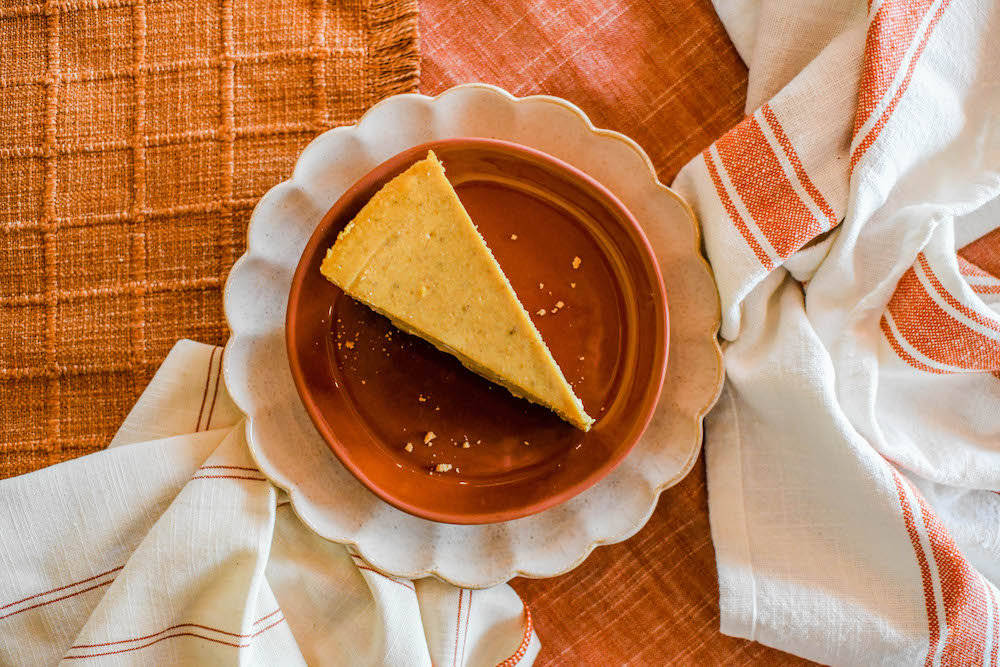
666	75
663	73
137	138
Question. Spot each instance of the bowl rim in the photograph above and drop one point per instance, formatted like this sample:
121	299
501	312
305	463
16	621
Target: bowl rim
338	448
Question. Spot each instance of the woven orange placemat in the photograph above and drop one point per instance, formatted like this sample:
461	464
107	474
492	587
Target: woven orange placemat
137	137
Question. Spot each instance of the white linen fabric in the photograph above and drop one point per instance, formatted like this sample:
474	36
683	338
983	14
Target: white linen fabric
854	457
171	548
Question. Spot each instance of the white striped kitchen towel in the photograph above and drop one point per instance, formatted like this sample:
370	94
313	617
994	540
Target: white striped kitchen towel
851	220
171	548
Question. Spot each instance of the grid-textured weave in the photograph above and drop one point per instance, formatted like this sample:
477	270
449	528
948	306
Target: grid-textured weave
137	135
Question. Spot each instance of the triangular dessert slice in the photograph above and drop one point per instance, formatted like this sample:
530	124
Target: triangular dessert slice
414	255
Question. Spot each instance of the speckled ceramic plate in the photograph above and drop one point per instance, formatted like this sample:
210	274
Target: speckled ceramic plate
290	451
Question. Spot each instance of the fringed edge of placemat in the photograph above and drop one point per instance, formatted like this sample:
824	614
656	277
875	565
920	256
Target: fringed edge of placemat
395	46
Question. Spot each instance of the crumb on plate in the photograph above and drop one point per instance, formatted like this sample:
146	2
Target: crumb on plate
430	436
576	262
466	445
349	345
409	447
513	237
573	285
541	312
442	467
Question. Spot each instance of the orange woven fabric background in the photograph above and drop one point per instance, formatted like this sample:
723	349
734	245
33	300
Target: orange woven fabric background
137	137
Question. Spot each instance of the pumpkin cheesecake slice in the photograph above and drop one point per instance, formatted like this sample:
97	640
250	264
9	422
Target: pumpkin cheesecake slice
414	255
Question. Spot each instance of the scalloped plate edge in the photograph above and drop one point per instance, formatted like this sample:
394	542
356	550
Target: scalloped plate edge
698	416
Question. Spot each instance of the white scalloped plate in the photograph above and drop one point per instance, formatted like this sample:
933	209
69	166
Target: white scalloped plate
291	453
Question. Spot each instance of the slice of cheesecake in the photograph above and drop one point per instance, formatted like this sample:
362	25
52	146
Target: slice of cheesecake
414	255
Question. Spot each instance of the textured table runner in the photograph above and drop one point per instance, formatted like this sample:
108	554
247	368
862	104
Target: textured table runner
138	136
666	75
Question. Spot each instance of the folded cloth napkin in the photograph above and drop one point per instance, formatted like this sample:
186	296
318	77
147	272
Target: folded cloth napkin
172	548
854	458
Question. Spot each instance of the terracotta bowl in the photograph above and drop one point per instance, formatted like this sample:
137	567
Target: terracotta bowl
371	389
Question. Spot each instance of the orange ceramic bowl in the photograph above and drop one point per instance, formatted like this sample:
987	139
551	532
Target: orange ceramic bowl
369	399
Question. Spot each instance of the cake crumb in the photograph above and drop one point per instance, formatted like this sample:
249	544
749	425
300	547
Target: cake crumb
409	447
513	237
576	262
422	398
573	285
541	312
436	408
349	345
581	357
430	436
466	445
526	442
479	442
541	285
443	467
559	304
363	382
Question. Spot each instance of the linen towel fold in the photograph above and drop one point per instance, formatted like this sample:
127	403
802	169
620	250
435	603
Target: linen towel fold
854	457
171	547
